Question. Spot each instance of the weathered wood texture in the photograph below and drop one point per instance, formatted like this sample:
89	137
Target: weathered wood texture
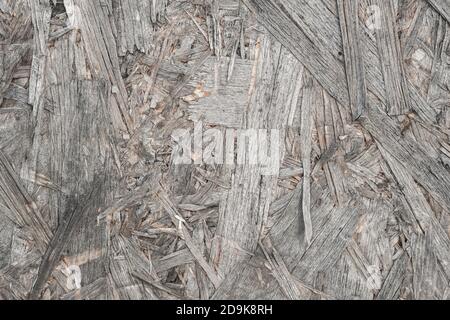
316	162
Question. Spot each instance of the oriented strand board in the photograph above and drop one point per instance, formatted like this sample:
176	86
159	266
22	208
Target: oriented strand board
238	149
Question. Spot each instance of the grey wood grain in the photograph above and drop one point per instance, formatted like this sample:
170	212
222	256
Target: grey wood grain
443	7
94	204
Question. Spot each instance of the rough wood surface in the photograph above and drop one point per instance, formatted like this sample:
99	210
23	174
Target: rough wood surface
224	149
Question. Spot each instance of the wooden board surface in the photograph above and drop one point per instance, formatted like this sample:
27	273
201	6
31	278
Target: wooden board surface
232	149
